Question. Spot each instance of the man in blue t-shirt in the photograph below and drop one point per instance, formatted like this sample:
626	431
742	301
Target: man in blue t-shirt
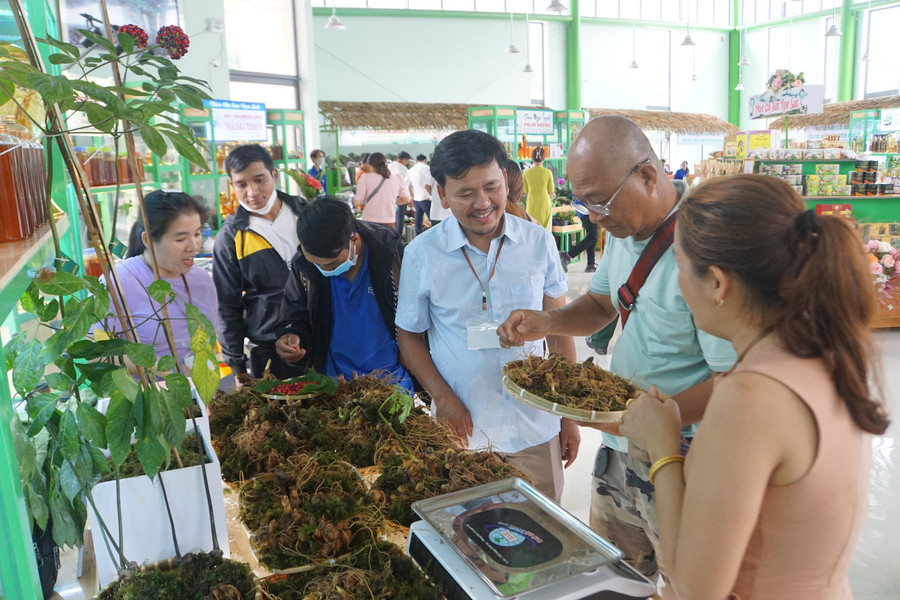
337	314
318	168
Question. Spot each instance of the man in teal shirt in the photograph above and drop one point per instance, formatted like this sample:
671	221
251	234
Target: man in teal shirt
630	196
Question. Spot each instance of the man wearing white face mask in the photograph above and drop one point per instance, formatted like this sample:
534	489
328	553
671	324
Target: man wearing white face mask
318	168
337	314
251	259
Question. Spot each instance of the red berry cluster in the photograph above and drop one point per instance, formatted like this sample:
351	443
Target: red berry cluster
139	35
292	389
174	40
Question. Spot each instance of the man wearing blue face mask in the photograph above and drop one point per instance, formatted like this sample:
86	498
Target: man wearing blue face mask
337	314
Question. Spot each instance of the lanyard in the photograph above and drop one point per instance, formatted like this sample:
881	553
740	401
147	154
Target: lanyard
491	276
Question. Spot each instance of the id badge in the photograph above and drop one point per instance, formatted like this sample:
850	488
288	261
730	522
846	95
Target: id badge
481	334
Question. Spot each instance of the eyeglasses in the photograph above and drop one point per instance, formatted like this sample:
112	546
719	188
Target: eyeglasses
603	209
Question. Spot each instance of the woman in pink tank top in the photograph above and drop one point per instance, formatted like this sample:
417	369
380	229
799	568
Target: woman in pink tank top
769	502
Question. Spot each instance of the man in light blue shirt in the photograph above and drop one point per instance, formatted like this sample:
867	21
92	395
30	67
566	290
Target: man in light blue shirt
660	345
459	281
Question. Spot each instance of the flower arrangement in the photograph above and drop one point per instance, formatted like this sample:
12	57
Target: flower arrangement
309	186
784	79
883	259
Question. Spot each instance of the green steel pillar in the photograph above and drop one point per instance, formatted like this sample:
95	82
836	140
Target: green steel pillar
573	58
847	53
734	55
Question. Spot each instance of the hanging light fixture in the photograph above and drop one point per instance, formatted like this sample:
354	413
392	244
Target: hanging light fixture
634	64
556	6
511	49
833	31
865	57
740	84
739	87
527	68
688	40
333	22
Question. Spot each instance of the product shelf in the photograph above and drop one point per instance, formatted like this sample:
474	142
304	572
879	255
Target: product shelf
20	260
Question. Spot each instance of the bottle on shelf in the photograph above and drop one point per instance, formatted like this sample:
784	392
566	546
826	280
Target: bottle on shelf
13	225
81	155
124	170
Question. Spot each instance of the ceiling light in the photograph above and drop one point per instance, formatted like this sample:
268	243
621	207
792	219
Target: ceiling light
688	40
527	68
634	64
865	57
739	87
833	31
511	49
556	6
744	62
334	23
694	77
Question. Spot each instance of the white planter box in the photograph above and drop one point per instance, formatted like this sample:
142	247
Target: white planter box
146	530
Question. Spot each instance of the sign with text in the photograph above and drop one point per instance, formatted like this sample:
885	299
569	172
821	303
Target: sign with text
238	121
699	140
799	100
890	119
535	122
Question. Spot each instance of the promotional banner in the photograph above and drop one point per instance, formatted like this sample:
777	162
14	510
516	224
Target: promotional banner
537	122
787	94
238	121
699	140
890	119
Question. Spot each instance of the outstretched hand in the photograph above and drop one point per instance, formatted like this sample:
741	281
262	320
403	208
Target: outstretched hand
288	348
523	326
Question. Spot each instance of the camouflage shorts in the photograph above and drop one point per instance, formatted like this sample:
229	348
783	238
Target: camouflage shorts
623	510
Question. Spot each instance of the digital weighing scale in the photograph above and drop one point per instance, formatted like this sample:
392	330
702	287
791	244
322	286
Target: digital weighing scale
507	540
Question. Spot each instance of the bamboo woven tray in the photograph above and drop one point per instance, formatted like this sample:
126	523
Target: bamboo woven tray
560	410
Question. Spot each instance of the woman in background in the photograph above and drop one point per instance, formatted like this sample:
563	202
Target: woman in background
539	187
514	192
377	193
770	500
175	228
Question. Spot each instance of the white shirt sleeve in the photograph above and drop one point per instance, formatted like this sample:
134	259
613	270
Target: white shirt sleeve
413	300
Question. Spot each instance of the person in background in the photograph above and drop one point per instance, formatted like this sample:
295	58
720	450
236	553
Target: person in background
587	244
400	167
683	171
175	228
539	189
665	166
514	195
632	199
251	262
364	166
772	495
460	278
422	188
379	192
338	309
317	170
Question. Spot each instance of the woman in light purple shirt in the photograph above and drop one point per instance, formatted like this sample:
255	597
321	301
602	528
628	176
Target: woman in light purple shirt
175	228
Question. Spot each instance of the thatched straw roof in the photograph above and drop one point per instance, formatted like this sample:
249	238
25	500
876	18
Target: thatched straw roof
672	122
398	115
837	113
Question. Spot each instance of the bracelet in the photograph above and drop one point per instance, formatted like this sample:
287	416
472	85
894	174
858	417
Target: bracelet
659	464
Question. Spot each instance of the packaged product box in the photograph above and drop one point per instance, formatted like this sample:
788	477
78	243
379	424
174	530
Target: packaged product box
842	190
798	189
832	153
827	169
841	180
826	190
817	154
794	169
731	146
841	210
812	190
793	154
814	145
792	179
812	180
827	179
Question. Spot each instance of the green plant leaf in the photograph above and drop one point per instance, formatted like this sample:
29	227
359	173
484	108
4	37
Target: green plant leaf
67	366
52	88
99	116
25	452
98	39
11	350
181	387
166	363
49	311
68	481
125	41
28	367
138	71
166	95
205	374
187	150
100	93
189	97
69	49
120	424
151	453
58	381
37	505
65	531
69	435
160	290
167	73
125	383
59	59
61	284
173	419
82	349
93	424
143	355
40	408
31	298
154	140
112	347
99	460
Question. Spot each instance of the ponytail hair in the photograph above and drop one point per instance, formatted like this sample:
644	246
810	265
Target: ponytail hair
378	162
162	209
538	155
807	277
515	187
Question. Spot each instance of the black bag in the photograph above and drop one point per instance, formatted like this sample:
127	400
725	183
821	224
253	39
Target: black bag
47	554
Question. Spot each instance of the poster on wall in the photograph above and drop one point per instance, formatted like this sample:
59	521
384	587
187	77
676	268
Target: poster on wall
149	15
787	94
238	121
535	122
890	119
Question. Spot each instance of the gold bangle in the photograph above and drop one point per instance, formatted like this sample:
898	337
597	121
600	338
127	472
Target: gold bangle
659	464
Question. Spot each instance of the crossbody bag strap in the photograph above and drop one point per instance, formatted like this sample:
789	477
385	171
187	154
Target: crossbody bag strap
659	243
375	191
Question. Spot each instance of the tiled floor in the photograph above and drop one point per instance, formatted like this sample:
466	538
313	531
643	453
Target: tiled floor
875	570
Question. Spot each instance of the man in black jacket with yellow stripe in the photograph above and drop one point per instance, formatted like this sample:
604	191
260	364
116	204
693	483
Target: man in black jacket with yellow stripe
251	262
338	309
